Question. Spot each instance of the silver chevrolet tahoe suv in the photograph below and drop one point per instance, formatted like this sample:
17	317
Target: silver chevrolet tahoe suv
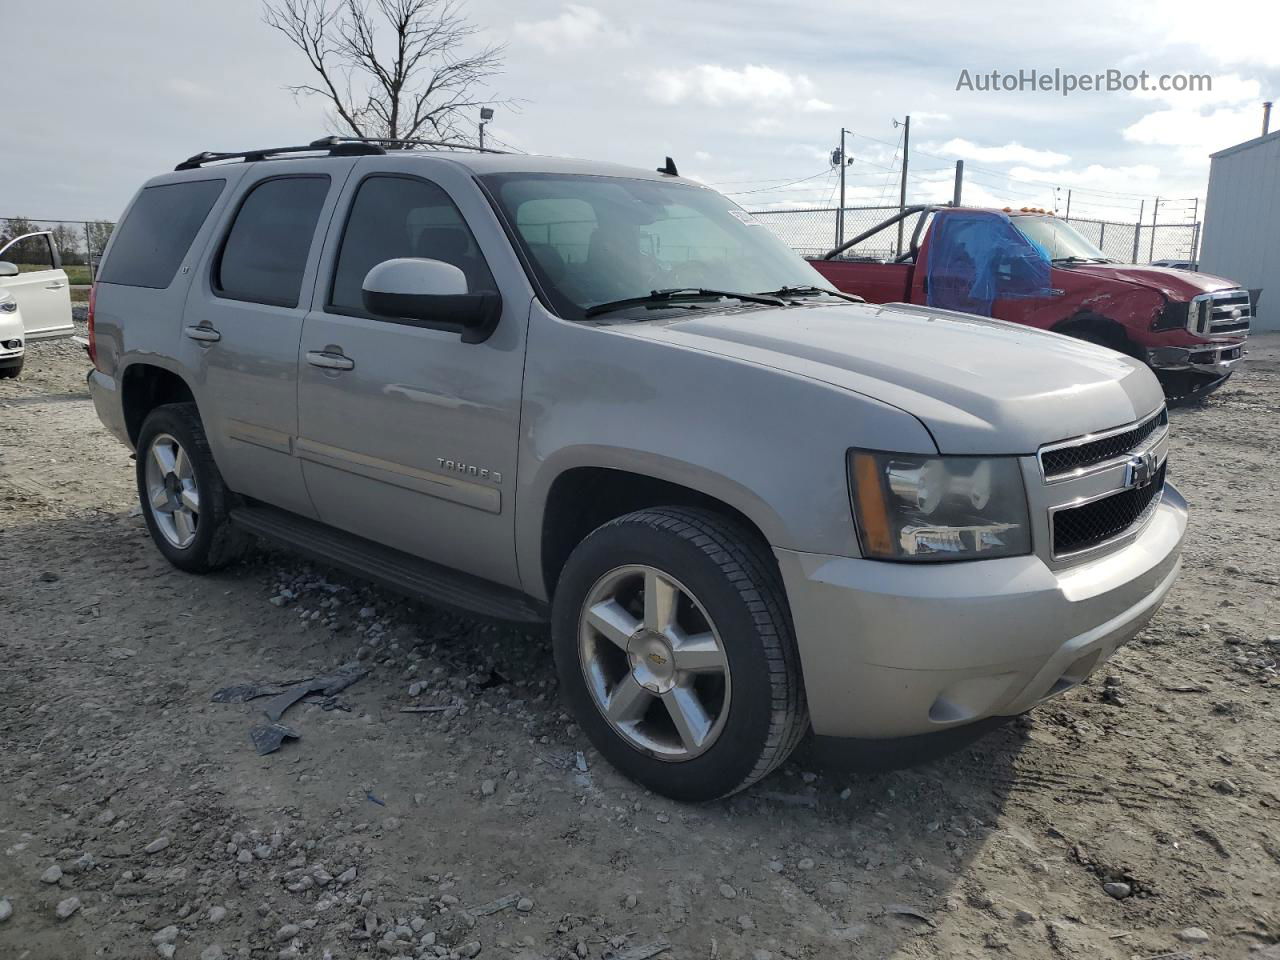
549	390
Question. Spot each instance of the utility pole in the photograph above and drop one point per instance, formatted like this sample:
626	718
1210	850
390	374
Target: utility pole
1068	216
902	190
840	215
1137	230
1266	117
955	196
1155	212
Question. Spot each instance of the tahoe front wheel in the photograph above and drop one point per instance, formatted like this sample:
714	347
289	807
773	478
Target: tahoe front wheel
675	651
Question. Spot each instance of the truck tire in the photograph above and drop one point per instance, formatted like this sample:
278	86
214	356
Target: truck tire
183	497
675	651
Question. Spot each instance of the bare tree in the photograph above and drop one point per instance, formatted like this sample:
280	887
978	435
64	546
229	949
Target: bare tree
414	84
68	241
98	232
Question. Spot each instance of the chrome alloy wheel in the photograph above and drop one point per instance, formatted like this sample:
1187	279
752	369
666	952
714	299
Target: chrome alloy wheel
171	491
654	662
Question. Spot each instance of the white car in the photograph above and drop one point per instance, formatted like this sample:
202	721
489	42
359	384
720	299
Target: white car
39	286
11	336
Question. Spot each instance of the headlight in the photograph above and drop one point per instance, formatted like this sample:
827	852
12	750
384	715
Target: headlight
1195	314
8	304
912	507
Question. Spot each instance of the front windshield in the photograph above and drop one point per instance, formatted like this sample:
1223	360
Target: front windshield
1058	238
595	240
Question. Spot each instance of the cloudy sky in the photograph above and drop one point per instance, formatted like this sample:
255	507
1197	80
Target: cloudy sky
748	96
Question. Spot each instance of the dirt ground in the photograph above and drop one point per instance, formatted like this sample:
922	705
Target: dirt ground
488	826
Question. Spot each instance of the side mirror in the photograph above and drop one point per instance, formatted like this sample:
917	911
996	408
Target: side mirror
430	293
8	269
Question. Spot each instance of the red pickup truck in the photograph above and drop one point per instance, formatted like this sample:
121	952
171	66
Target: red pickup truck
1031	267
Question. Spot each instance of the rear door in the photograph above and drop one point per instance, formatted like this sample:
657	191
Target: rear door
244	319
407	435
41	288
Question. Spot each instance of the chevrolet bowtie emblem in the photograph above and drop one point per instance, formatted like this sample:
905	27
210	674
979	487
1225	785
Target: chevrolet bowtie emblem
1141	469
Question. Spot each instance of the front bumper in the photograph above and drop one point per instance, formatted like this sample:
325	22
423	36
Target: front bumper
1213	359
11	356
893	649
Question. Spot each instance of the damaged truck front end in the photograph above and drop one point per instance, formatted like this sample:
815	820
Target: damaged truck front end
1032	268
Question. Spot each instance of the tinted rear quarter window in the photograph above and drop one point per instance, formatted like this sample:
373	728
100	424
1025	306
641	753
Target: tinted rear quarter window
157	233
265	254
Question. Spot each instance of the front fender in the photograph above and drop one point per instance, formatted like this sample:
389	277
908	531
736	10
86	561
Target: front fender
770	444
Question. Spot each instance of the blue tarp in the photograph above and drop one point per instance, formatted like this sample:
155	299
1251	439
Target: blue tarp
976	258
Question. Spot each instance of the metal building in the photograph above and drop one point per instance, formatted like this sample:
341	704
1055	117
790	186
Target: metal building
1241	239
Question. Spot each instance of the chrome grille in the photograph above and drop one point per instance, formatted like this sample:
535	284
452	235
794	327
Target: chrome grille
1071	458
1093	524
1222	314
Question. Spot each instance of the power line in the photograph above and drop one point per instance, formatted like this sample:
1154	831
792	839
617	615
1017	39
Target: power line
508	145
999	173
743	193
891	168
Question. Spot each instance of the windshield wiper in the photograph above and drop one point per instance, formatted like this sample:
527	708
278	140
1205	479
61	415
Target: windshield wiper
804	290
1079	260
674	294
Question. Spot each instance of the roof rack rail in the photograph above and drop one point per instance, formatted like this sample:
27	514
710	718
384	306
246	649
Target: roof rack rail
442	144
335	147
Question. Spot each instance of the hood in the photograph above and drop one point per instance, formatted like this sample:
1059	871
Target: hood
1174	284
979	386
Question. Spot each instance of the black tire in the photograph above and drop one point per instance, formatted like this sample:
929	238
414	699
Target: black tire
732	575
12	373
216	542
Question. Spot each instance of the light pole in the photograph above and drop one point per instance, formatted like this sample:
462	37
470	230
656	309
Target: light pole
486	114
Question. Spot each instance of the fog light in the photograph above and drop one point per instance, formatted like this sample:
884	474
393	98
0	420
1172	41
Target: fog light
12	344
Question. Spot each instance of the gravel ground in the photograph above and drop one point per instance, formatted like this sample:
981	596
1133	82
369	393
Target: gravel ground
1136	816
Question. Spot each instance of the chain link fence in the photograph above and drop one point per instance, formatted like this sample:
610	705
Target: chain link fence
811	232
1142	243
79	244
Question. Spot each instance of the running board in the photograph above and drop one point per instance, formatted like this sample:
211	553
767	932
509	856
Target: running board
394	569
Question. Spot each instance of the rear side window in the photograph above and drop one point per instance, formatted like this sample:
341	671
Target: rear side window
395	217
157	233
265	253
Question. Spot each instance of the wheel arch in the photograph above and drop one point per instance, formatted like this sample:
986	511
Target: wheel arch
145	386
583	496
1086	322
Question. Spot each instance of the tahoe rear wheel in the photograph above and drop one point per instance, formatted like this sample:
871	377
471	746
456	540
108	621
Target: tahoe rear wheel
183	498
675	651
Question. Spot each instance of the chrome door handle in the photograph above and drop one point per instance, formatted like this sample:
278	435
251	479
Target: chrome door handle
54	286
204	334
329	361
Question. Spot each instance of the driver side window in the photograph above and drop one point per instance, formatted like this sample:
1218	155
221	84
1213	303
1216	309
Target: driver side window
33	252
395	216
